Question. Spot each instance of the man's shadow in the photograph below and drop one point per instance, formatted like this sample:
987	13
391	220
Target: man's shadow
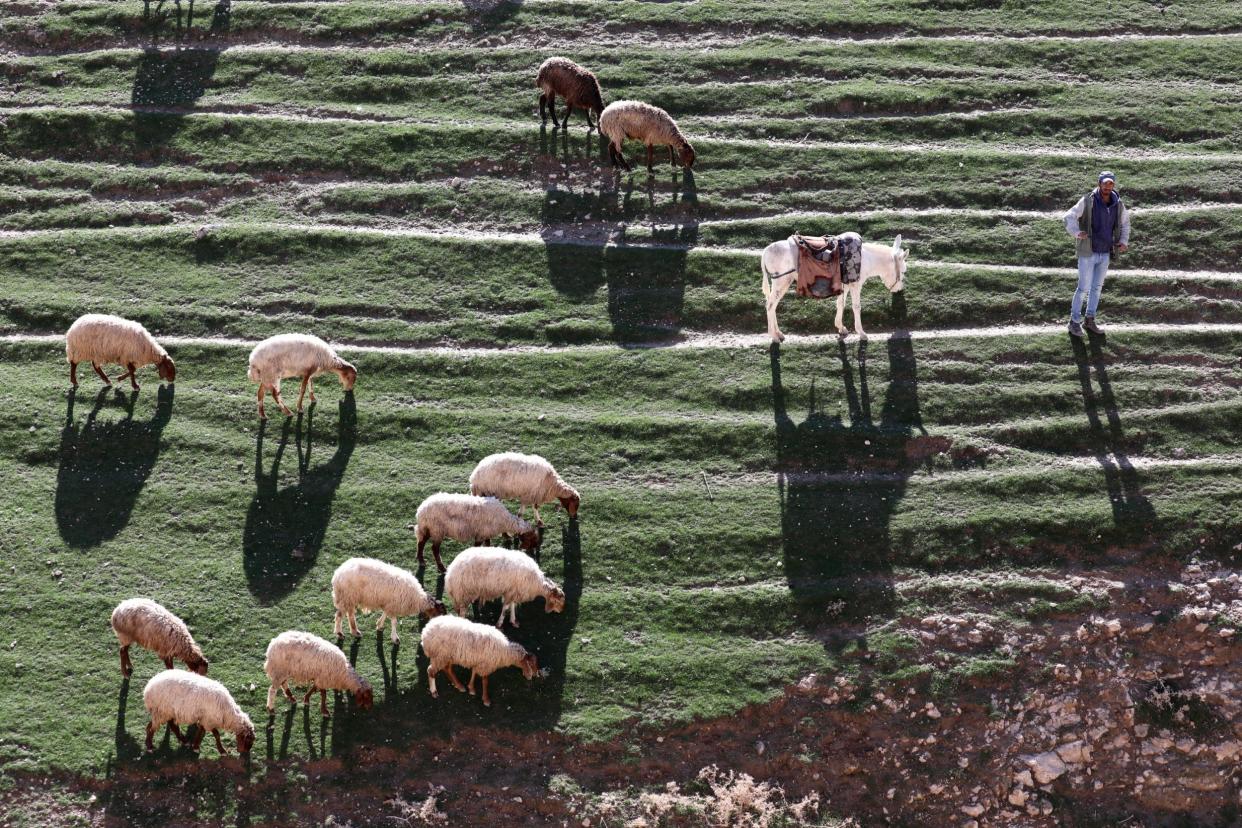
1133	514
840	483
173	78
647	285
103	468
285	527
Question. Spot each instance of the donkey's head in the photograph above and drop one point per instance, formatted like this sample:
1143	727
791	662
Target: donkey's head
895	281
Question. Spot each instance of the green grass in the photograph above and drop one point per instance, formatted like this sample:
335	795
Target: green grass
169	507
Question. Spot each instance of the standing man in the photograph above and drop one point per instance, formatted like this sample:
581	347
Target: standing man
1101	224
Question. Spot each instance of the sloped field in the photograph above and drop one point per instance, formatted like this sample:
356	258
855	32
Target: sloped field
881	573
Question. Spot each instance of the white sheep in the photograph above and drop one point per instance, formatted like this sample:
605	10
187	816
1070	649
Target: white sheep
375	585
102	338
295	355
146	623
528	478
644	122
304	658
469	519
481	647
179	697
482	573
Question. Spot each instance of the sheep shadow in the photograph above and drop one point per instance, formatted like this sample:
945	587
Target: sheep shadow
285	527
104	467
647	283
1133	514
174	78
127	747
839	484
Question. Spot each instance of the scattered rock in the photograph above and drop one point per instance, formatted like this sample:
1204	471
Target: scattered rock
1046	766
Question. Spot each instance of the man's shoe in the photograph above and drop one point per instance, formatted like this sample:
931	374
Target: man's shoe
1075	329
1089	325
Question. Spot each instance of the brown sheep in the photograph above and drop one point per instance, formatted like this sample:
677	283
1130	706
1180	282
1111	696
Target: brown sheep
578	86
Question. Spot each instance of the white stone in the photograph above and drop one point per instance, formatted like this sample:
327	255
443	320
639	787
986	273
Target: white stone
1046	766
1075	752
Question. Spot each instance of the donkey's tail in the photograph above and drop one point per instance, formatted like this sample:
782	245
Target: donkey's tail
767	279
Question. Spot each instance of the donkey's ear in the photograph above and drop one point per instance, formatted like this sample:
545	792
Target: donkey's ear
897	242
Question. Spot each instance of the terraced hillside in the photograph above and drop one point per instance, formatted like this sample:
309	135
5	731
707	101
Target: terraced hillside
885	578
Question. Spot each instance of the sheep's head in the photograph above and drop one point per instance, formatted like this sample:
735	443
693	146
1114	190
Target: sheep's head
348	375
571	504
530	540
687	155
245	739
436	609
168	371
365	696
197	663
554	598
529	665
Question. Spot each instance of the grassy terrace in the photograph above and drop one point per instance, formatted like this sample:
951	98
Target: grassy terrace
202	509
321	166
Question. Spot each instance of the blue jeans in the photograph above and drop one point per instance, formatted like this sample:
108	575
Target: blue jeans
1091	272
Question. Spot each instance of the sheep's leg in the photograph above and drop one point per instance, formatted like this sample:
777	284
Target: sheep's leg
310	387
73	374
552	107
271	698
501	620
310	691
284	685
650	156
336	624
219	745
435	550
432	669
129	372
177	732
168	664
487	700
276	396
353	622
569	108
670	156
100	372
538	519
513	614
856	304
323	703
262	394
422	541
127	666
302	391
448	670
470	684
379	625
394	638
151	728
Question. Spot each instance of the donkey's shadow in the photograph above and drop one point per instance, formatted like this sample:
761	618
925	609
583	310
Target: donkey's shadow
840	483
104	467
285	527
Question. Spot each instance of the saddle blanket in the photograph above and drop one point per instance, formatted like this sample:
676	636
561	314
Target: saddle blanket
827	263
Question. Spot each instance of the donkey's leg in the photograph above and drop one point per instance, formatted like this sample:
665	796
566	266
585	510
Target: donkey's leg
779	288
840	322
855	303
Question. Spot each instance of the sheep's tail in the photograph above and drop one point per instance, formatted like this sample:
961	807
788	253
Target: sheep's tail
252	373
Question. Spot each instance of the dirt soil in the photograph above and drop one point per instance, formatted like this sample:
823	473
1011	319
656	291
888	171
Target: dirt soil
1130	717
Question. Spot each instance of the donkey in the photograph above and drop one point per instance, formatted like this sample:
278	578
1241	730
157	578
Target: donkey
780	268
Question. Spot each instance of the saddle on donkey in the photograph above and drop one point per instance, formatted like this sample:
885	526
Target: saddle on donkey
827	263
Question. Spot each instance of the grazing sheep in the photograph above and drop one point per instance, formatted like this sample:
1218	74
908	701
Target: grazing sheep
102	338
151	626
469	519
307	659
178	697
577	85
482	573
375	585
295	355
481	647
527	478
644	122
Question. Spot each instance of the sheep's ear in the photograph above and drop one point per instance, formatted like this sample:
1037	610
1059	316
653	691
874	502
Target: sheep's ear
897	242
